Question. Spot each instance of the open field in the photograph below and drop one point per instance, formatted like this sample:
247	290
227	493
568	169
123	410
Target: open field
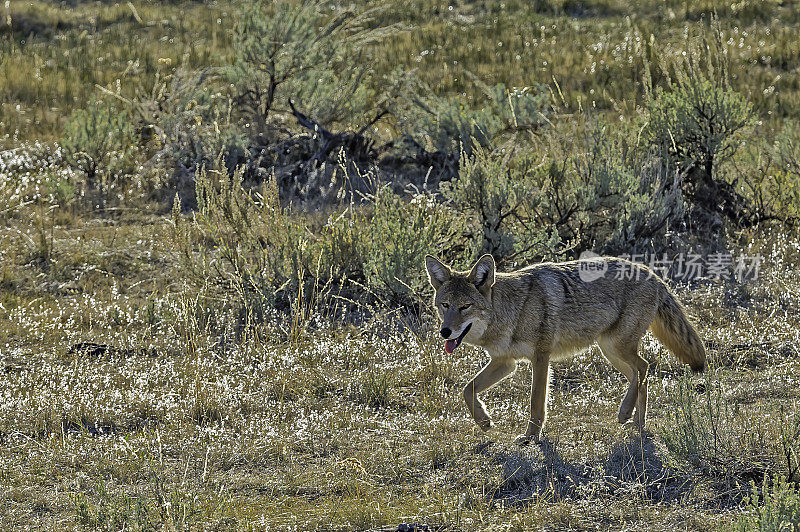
52	57
263	354
355	428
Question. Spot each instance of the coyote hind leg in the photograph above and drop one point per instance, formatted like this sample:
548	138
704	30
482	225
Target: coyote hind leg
624	356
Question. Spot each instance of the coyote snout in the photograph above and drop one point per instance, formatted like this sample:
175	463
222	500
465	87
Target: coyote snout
552	310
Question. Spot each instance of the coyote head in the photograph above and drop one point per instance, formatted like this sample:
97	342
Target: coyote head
462	299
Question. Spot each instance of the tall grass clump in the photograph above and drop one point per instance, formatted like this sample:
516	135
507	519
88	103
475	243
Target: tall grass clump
399	234
163	504
705	433
243	244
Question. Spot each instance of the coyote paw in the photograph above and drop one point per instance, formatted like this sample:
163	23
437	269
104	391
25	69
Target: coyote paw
485	424
525	439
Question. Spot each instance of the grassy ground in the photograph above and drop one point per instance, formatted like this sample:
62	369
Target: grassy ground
356	428
121	408
52	58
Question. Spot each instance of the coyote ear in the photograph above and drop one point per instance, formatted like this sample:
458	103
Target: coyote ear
438	273
482	274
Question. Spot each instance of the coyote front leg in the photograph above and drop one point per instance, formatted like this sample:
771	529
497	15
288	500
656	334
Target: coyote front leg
495	371
539	388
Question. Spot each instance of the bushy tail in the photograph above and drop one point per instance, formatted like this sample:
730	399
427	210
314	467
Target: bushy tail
674	330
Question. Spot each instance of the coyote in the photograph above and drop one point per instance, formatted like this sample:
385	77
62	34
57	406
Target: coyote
552	310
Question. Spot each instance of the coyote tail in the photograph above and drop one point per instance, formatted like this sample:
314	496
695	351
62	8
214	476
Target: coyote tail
674	330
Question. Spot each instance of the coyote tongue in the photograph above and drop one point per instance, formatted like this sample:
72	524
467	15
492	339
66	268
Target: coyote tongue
450	345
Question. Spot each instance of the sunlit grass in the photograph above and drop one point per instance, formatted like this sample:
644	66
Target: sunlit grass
155	430
594	53
132	398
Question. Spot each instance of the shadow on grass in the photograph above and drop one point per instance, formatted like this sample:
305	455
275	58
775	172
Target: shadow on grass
632	468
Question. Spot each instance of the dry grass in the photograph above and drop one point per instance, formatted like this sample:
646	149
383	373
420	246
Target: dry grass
131	399
52	57
171	426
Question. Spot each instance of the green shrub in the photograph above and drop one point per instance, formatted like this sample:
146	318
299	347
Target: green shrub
696	116
625	198
768	176
302	51
609	197
253	255
697	120
60	188
187	116
33	174
384	241
247	244
784	185
342	244
100	143
194	119
501	196
398	235
777	508
449	125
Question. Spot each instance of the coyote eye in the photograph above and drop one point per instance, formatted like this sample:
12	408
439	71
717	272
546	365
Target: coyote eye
445	305
465	307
